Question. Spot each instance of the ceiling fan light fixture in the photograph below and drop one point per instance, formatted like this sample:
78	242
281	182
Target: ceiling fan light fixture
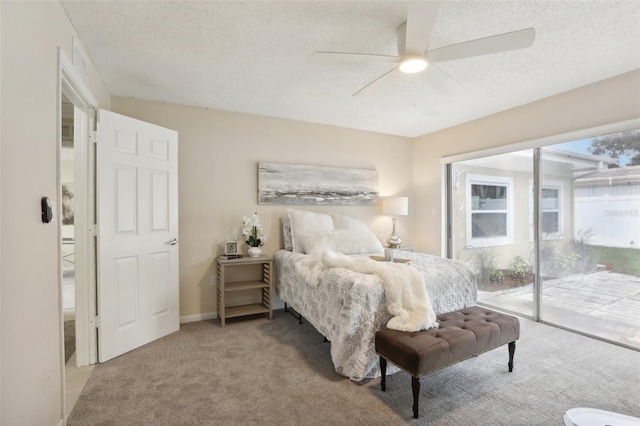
413	64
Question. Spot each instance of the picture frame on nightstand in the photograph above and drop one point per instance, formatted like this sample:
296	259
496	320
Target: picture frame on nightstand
230	247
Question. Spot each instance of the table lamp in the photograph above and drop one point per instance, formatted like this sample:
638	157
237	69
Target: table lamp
395	206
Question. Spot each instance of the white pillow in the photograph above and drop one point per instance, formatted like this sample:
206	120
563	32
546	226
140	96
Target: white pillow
347	222
286	233
304	224
345	241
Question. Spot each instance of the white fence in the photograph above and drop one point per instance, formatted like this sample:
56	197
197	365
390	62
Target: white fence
612	213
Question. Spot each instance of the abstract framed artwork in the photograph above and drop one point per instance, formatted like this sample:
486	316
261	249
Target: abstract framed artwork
298	184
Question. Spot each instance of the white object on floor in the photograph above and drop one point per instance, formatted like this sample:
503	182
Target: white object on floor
594	417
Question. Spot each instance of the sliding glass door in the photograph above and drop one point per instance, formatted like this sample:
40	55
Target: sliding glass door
491	215
562	244
590	264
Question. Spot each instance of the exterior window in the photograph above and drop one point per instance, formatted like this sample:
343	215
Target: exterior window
550	210
489	218
551	203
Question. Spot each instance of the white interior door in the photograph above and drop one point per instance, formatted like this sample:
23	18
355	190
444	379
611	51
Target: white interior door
137	206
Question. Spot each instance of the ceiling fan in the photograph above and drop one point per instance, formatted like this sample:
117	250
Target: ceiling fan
413	42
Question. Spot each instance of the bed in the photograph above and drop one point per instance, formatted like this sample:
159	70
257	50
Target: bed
345	304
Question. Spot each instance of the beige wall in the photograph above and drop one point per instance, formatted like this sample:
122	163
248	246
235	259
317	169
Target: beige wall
606	102
31	33
218	179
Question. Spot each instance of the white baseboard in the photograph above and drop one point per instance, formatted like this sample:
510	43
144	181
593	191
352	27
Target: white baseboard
198	317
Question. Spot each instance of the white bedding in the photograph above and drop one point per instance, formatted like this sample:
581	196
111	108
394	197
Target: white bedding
348	307
406	297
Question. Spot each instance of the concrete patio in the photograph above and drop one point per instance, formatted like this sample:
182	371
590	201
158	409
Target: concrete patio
606	304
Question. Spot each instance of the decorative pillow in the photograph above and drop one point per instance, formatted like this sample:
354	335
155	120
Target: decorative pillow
286	233
304	224
345	241
347	222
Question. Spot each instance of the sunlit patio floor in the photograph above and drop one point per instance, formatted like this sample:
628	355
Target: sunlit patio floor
606	304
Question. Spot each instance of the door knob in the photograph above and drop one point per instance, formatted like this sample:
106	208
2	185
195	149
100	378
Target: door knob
173	241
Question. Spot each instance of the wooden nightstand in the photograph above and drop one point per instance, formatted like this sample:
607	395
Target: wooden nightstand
247	275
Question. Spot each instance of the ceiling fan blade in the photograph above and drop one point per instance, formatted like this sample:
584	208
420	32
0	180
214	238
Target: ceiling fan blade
421	17
441	81
484	46
376	83
354	57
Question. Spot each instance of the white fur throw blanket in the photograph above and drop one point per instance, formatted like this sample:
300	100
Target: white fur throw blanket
404	288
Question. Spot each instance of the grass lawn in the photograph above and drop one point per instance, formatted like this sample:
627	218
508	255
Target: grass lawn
622	260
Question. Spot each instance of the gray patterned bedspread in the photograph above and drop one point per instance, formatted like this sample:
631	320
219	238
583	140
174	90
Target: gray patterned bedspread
347	307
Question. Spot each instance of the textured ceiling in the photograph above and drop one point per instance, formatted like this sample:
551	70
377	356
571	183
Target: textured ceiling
256	57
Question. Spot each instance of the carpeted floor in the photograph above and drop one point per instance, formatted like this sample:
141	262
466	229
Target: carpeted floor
69	339
261	372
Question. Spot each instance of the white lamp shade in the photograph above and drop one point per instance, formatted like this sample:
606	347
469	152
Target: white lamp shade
395	206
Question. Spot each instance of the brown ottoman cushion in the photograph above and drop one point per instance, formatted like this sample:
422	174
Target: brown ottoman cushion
461	335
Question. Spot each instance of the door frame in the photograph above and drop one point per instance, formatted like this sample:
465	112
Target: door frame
71	84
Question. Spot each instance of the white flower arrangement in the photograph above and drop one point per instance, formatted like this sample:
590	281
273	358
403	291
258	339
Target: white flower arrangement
252	231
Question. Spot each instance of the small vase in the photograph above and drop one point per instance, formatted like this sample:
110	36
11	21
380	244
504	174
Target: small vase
255	251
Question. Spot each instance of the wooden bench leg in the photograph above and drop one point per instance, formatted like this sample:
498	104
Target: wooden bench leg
512	350
383	372
415	386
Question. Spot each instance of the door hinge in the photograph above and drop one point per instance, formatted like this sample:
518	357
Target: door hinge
93	136
93	230
95	321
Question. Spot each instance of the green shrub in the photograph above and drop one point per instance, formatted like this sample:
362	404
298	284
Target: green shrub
519	268
562	257
568	262
484	263
496	276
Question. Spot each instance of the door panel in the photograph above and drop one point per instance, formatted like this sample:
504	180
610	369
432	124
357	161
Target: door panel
127	287
160	201
160	271
490	227
137	217
126	202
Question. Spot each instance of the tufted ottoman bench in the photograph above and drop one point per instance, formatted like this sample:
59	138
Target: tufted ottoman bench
462	334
